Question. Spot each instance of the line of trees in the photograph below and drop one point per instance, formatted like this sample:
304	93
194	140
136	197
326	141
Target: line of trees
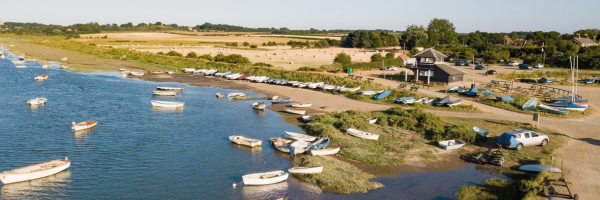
366	39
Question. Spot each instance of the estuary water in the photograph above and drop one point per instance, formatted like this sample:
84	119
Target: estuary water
141	152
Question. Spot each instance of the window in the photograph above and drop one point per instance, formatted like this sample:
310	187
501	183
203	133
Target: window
534	134
527	135
425	73
427	60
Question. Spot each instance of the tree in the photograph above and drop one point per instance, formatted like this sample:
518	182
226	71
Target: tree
415	36
246	44
342	58
390	55
376	57
441	31
264	44
192	55
173	53
206	57
253	46
513	35
375	40
414	51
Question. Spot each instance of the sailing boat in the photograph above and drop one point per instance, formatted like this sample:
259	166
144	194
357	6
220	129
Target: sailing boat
570	105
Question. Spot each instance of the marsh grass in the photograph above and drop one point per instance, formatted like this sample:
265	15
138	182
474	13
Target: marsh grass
496	188
560	74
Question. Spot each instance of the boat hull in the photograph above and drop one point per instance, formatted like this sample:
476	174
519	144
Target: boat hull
324	152
254	179
168	104
451	144
7	178
306	170
245	141
539	168
299	136
553	110
362	134
297	112
164	93
82	127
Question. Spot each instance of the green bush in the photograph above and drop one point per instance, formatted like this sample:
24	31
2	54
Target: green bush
376	57
461	132
192	55
232	58
261	64
206	57
309	69
342	58
173	53
253	46
390	55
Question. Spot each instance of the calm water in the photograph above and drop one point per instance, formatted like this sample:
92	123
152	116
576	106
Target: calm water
140	152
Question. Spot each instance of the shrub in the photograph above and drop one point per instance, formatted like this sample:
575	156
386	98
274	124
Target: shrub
206	57
342	58
173	53
253	46
262	64
233	58
390	55
246	44
461	132
92	45
192	55
376	57
309	69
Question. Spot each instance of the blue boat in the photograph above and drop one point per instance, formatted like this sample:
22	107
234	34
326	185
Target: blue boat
319	144
568	106
383	94
282	101
545	80
213	73
588	81
569	99
486	91
472	91
443	101
505	98
455	89
403	99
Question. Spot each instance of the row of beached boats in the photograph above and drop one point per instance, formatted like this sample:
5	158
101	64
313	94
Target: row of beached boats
446	101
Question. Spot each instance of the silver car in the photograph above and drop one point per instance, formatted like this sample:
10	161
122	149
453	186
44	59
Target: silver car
519	138
513	63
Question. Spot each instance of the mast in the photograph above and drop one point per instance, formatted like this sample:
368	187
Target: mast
572	77
577	64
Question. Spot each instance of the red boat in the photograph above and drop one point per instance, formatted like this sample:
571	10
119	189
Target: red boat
243	77
41	77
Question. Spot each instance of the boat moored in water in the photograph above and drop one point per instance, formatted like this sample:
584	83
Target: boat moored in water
83	125
265	178
167	104
35	171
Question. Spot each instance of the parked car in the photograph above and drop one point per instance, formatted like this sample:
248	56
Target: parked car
539	65
519	138
479	67
459	63
468	63
525	66
448	59
491	72
513	63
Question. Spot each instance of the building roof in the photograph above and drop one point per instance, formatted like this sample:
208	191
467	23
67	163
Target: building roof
403	56
584	40
430	53
449	69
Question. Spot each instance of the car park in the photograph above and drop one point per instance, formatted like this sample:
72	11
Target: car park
479	67
517	139
490	72
525	66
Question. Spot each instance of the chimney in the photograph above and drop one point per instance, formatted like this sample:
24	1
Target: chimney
585	35
578	35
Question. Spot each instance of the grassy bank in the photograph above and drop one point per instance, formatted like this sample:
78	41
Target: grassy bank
504	189
561	74
337	176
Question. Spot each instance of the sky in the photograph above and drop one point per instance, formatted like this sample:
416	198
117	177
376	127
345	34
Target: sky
466	15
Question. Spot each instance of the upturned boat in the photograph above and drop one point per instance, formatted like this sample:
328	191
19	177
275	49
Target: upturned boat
297	112
451	144
306	170
362	134
164	93
136	73
219	95
383	94
259	106
444	101
554	110
64	66
403	99
241	140
34	171
83	125
454	103
530	104
167	104
265	178
307	118
37	101
569	106
282	101
372	120
324	152
539	168
299	136
292	148
301	105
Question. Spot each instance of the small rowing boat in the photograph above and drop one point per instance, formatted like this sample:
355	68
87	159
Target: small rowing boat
282	101
299	136
530	104
167	104
451	144
324	152
164	93
481	132
136	73
321	143
383	94
297	112
241	140
306	170
265	178
219	95
554	110
34	171
362	134
83	125
372	120
37	101
444	101
454	103
307	118
301	105
64	66
169	88
236	94
259	106
539	168
20	66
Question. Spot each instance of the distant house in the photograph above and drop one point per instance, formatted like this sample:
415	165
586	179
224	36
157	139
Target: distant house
430	68
189	28
584	41
407	60
521	42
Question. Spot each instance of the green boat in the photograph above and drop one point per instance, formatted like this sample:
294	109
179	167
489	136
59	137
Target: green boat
553	109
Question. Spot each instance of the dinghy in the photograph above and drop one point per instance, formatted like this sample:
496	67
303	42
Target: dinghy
383	94
64	66
315	85
297	112
41	77
164	93
454	103
301	105
306	170
236	94
20	66
122	70
530	104
539	168
265	178
362	134
241	140
34	171
259	106
368	92
455	89
487	92
37	101
83	125
169	88
170	72
280	141
444	101
306	118
321	143
219	95
451	144
167	104
324	152
292	148
299	136
472	91
402	99
137	73
505	99
372	120
569	99
18	62
569	106
554	110
350	89
282	101
481	132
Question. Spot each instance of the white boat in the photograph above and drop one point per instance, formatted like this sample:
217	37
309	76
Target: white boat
64	66
299	136
31	60
297	112
306	170
20	66
370	92
350	89
454	103
64	59
169	88
219	95
265	178
122	70
328	87
451	144
170	72
362	134
34	171
167	104
301	105
306	118
83	125
297	147
41	77
303	85
188	70
339	88
37	101
44	66
259	106
539	168
241	140
372	120
136	73
236	94
164	93
18	62
481	132
315	85
324	152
